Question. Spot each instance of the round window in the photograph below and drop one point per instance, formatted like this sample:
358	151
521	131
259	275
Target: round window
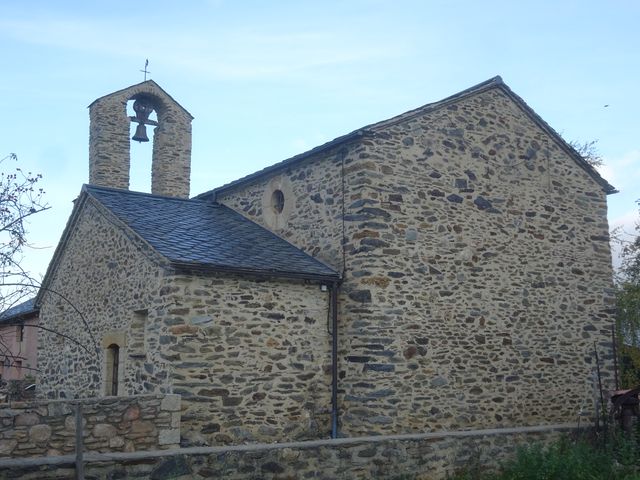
277	201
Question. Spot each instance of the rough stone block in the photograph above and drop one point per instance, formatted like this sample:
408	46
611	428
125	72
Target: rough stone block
171	403
104	430
27	419
40	433
175	419
116	442
131	413
140	427
7	447
169	436
57	409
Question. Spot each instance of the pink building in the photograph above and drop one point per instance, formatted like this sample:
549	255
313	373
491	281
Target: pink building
18	341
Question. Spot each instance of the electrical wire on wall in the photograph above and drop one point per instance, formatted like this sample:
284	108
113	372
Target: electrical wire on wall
343	242
343	154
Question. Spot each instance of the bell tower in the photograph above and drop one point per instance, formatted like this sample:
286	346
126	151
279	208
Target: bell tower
109	143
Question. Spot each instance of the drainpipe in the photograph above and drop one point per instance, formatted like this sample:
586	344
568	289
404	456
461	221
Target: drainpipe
334	360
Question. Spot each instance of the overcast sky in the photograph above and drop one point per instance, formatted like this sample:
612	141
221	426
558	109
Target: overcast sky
266	80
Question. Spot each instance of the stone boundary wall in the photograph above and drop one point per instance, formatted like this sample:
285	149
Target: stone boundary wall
415	456
110	424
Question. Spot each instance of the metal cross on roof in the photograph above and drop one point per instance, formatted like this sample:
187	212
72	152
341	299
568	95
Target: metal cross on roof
145	71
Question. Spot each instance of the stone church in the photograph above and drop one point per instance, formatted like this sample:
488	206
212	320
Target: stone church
445	269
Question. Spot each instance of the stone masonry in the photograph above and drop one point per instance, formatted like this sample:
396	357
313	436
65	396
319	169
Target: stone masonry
109	143
110	424
427	456
477	267
249	357
473	244
115	265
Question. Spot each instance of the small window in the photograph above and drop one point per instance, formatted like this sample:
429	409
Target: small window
20	333
113	362
277	201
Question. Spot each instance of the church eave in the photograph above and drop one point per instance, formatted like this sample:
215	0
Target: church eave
284	164
196	267
569	150
372	129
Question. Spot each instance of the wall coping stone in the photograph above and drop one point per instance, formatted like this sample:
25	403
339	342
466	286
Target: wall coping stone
17	406
256	447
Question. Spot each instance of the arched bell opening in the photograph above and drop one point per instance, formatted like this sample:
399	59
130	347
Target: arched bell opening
133	125
142	113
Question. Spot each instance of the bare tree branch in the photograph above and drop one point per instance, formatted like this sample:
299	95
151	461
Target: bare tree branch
20	199
589	151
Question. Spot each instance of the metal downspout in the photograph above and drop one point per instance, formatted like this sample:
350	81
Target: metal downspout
334	360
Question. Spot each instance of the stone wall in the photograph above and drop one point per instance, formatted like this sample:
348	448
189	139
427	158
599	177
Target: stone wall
421	456
101	283
250	357
313	204
110	424
477	275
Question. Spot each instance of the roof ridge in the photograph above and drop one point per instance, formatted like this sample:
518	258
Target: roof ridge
477	88
371	129
285	163
358	133
88	187
542	123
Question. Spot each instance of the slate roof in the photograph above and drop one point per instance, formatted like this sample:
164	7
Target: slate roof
21	310
205	235
371	130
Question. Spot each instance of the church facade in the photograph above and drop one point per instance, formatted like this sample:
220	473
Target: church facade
445	269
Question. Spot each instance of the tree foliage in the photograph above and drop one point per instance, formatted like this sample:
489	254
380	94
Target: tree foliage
628	308
630	268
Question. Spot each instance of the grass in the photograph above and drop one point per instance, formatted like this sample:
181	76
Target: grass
568	460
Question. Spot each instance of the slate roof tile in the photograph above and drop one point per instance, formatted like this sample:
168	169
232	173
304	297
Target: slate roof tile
22	309
207	235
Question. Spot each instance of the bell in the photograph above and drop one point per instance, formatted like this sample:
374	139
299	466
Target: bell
141	133
143	108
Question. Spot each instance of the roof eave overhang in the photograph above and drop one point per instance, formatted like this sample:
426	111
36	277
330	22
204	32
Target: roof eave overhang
283	165
497	82
370	130
20	318
568	149
189	267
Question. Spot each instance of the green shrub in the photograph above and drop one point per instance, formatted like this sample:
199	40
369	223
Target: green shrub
562	460
568	460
